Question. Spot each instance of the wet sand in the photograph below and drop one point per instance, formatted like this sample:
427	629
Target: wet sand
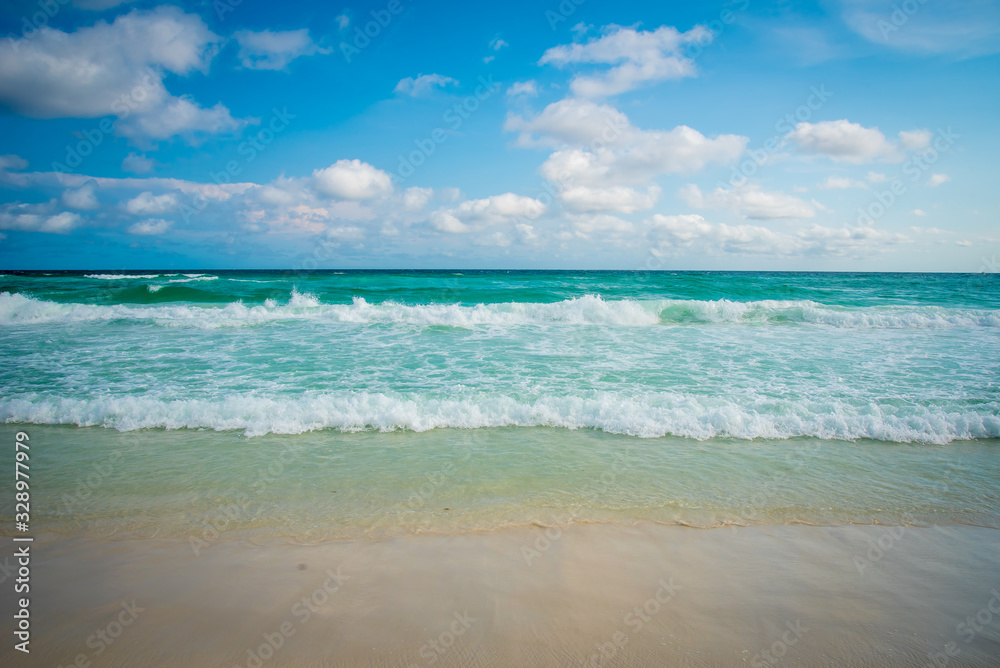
591	595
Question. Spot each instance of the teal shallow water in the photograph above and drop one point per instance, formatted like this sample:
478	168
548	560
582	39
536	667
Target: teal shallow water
202	485
734	398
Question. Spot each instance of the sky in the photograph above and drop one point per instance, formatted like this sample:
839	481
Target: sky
841	135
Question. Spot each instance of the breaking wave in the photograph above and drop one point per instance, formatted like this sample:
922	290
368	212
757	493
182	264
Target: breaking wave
648	416
19	309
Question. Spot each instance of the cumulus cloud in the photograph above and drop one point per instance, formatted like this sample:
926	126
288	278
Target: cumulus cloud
527	88
150	227
115	69
919	212
353	180
844	141
636	57
610	143
478	214
602	157
616	198
11	161
499	206
37	218
937	179
148	204
180	115
840	183
83	198
137	164
424	83
415	199
444	221
570	121
605	225
671	235
749	201
273	50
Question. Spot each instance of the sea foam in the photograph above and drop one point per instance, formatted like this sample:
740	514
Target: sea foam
648	416
20	309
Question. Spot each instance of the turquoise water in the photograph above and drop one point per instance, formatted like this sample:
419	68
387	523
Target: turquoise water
735	398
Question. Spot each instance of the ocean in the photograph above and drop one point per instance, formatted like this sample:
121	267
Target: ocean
331	404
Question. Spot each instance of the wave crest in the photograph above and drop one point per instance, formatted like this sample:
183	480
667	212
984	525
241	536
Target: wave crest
648	416
19	309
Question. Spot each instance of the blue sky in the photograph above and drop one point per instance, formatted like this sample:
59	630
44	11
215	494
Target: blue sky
840	135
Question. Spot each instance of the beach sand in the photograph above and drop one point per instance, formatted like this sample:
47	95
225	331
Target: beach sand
593	595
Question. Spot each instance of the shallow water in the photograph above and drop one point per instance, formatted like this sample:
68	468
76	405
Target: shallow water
328	484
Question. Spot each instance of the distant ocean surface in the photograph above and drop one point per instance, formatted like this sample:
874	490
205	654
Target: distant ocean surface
658	363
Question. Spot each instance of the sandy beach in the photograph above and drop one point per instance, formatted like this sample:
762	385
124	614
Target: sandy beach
586	595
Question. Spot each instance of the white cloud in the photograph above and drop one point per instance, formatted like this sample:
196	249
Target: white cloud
963	243
353	180
346	233
478	214
919	212
446	222
607	226
114	69
616	149
840	183
749	201
179	116
415	199
616	198
499	206
569	122
148	204
914	140
496	43
844	141
273	50
150	227
636	57
529	88
876	177
603	157
11	161
672	235
137	164
424	83
937	179
83	198
37	218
